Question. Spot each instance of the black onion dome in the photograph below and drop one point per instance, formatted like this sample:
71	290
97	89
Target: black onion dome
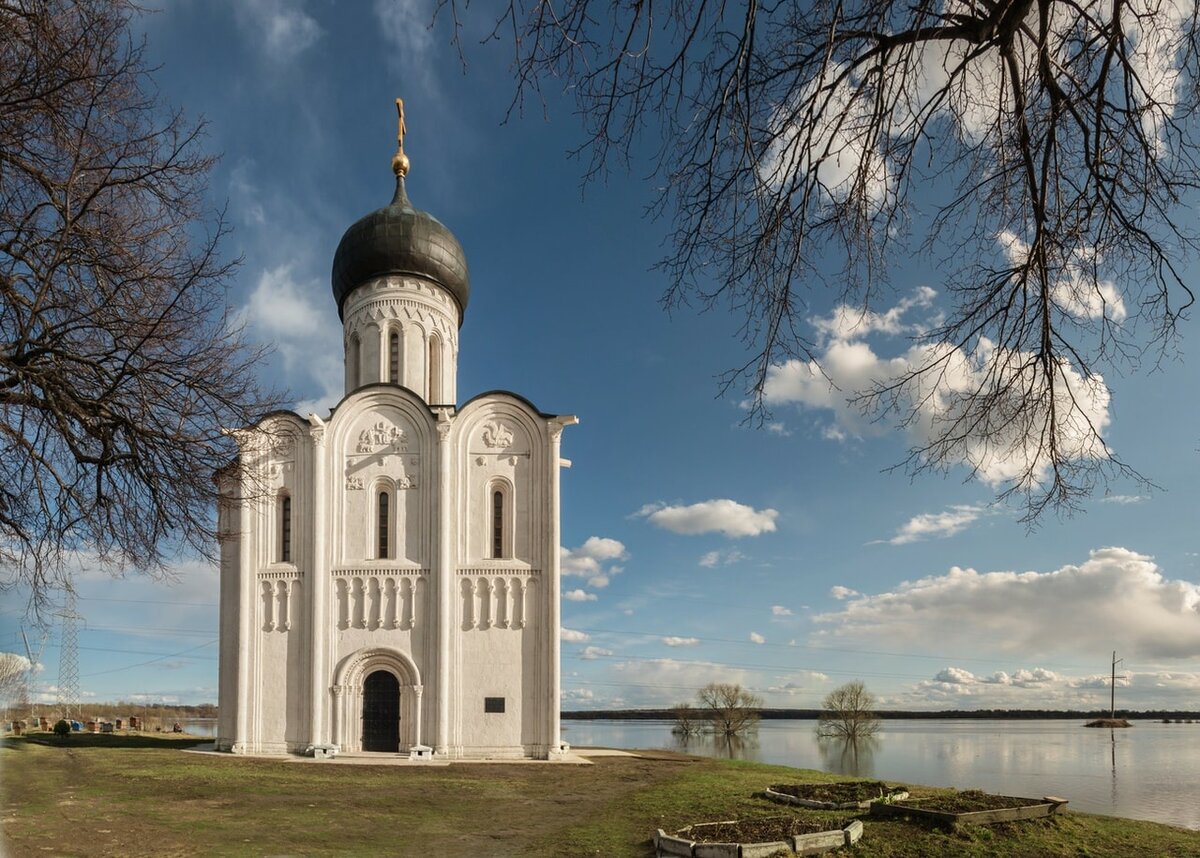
398	239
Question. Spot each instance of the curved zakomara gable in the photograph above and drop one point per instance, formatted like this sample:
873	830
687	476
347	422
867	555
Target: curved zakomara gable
352	670
499	403
382	398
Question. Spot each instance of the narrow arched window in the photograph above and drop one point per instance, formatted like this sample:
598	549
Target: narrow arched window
394	358
285	529
497	524
384	540
355	361
435	370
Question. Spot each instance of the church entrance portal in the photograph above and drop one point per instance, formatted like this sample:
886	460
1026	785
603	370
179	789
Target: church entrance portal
381	712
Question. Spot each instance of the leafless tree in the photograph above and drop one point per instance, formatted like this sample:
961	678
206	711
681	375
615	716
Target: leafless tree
14	676
1039	151
730	709
847	713
688	720
120	361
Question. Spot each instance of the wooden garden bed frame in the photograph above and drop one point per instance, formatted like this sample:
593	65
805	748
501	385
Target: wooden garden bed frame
1047	806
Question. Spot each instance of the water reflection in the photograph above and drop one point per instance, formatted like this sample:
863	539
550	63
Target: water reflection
743	747
853	757
1148	772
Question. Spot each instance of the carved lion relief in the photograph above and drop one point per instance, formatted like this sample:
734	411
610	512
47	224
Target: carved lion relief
497	435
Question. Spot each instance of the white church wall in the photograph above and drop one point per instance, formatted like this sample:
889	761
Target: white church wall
371	368
492	666
501	446
384	448
229	526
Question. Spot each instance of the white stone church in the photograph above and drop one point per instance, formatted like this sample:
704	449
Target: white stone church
390	574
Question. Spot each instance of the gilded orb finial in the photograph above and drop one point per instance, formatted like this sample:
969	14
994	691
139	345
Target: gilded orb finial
400	160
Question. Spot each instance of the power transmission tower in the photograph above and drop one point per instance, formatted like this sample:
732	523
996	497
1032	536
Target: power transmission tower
68	659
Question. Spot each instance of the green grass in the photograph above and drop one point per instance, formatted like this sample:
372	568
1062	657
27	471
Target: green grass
133	796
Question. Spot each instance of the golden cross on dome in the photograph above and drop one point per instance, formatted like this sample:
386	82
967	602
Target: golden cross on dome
400	160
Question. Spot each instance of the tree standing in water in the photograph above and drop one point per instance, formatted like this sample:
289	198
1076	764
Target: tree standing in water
847	713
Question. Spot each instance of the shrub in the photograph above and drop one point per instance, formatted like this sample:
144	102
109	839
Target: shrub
62	728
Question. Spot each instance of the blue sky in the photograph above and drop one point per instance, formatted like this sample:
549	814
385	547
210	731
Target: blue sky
698	549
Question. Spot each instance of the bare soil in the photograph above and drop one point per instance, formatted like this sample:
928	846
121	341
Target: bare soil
973	800
762	830
838	793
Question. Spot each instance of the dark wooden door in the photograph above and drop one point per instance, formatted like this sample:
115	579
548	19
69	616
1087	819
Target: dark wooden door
381	712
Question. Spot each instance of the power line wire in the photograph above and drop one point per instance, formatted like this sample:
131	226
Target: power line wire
151	661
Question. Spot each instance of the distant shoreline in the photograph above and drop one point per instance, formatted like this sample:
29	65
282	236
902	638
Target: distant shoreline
897	714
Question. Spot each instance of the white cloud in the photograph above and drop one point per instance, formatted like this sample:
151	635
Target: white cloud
280	311
839	592
755	637
406	25
997	446
1076	289
664	681
721	558
1124	500
282	28
937	525
795	688
1041	688
594	652
677	641
573	635
577	695
840	148
1117	599
713	516
955	675
588	559
599	581
780	611
279	306
847	322
579	596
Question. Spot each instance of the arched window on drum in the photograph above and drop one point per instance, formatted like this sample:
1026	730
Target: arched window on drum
354	362
394	357
435	370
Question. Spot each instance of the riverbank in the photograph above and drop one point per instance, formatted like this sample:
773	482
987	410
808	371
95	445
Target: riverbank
141	796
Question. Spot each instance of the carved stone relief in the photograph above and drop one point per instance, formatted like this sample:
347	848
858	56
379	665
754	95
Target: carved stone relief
497	434
381	436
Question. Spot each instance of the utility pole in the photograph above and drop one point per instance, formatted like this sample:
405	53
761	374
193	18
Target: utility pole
1112	700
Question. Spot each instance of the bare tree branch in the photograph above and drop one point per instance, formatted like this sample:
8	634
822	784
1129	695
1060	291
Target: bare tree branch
120	361
1041	148
847	713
